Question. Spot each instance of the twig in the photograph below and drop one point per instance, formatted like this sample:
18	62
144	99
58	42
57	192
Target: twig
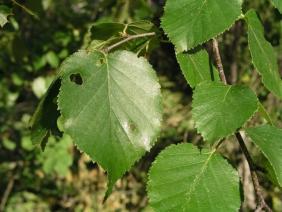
260	200
7	193
25	9
129	38
218	61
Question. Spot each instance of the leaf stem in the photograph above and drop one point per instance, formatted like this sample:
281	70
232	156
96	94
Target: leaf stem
260	200
129	38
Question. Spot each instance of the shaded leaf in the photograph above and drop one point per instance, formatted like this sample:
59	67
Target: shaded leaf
270	173
263	55
197	68
111	107
106	34
189	23
44	119
184	179
219	110
269	140
104	31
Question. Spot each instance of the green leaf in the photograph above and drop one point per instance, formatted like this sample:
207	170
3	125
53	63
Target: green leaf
111	106
52	59
269	140
263	55
26	143
189	23
57	156
263	112
184	179
39	86
219	110
277	4
197	68
9	144
44	119
270	173
4	13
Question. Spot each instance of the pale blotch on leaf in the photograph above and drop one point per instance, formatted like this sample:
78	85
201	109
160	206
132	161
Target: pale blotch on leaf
68	123
145	142
125	126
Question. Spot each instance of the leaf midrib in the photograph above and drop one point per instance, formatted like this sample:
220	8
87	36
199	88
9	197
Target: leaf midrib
198	177
259	44
196	67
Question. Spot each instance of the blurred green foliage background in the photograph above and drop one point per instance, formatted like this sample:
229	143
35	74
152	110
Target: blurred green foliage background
39	35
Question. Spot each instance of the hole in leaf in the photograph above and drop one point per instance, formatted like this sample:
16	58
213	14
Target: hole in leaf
76	78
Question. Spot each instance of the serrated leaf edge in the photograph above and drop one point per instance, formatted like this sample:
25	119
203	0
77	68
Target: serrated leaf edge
157	134
211	154
241	16
260	74
246	131
230	134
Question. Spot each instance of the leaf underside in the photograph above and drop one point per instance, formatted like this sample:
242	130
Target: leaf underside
111	107
219	110
263	55
269	140
44	119
189	23
196	67
184	179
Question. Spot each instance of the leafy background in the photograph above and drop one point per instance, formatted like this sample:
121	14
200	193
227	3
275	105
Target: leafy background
33	44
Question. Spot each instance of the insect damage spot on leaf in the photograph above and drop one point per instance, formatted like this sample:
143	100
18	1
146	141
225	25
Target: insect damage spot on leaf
76	78
100	62
129	127
132	126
